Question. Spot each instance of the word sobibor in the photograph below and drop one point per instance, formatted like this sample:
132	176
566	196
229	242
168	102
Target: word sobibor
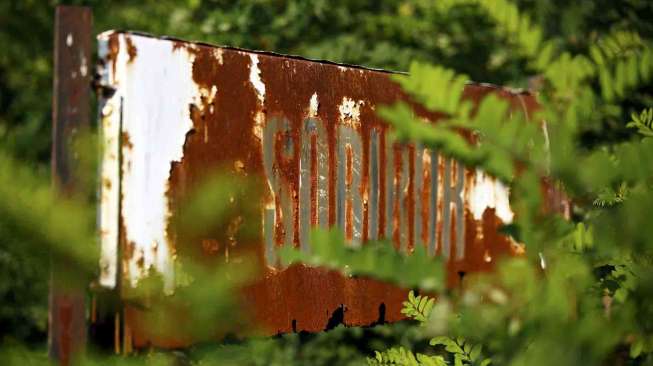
409	194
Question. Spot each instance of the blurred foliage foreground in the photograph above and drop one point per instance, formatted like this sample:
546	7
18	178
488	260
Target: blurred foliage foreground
580	296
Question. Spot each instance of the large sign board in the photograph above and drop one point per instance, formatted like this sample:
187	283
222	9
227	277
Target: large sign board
310	130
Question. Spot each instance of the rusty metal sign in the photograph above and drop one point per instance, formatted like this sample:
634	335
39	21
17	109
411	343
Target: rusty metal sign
310	130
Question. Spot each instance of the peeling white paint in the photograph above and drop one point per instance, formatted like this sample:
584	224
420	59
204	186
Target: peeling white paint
156	118
217	53
313	106
155	95
487	192
109	175
259	87
350	111
255	78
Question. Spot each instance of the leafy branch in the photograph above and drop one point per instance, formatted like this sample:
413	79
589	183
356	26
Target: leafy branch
418	307
401	356
643	122
379	260
464	353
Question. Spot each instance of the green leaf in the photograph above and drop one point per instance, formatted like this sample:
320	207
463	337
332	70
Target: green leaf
457	360
441	340
475	352
636	348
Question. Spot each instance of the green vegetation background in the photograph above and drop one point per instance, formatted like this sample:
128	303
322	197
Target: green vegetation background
385	34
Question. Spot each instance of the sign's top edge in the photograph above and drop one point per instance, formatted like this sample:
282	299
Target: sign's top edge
108	33
260	52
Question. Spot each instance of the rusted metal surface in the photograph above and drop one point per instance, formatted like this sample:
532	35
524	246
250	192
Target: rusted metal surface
70	116
309	134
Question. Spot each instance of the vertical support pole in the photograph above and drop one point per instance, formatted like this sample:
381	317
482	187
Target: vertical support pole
70	116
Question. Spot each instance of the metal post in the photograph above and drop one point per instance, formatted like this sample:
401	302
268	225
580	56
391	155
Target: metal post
70	116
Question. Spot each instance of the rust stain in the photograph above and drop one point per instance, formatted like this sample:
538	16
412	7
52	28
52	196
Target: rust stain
131	49
140	262
410	200
177	45
210	246
114	48
126	251
232	145
126	141
300	298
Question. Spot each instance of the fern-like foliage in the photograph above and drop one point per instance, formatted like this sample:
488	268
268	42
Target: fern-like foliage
418	307
643	122
623	62
447	98
582	238
513	26
401	356
617	44
503	140
608	197
463	352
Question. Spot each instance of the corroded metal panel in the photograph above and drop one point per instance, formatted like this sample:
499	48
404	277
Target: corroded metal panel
309	133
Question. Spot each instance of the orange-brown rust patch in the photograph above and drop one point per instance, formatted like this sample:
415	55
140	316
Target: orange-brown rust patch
130	249
131	49
410	200
176	45
231	115
114	48
396	219
440	206
126	250
554	198
425	199
140	262
125	140
210	246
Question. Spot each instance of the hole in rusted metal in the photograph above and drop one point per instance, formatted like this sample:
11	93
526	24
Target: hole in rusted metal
337	318
381	314
461	277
